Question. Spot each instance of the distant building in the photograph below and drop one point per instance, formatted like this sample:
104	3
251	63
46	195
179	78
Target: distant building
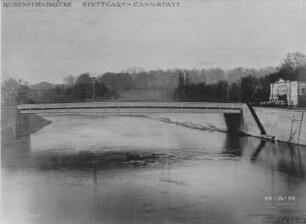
292	93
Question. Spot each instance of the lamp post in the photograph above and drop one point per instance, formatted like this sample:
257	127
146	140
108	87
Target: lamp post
94	80
239	91
228	92
164	90
23	92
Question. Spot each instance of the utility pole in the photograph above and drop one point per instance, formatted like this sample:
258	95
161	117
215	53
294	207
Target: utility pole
20	92
94	80
239	93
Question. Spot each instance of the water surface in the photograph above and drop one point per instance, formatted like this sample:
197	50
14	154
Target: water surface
95	169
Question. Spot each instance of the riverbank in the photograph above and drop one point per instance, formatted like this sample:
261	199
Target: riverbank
286	125
279	124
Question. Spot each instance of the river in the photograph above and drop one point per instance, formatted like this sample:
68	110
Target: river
96	169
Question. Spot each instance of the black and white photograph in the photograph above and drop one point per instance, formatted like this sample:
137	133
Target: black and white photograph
153	111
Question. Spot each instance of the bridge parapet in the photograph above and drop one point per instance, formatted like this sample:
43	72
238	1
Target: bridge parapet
132	107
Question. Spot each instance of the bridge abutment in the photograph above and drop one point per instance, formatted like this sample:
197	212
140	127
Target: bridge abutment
15	125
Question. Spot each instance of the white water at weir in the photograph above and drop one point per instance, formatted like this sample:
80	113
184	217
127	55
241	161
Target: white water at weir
136	170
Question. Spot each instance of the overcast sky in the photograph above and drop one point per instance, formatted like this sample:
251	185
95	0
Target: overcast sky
48	44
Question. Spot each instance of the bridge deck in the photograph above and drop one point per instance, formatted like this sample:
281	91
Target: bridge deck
132	107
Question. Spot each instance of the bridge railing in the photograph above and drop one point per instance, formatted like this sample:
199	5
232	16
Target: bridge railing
131	107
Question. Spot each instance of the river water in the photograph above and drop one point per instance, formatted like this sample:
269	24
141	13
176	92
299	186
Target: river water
95	169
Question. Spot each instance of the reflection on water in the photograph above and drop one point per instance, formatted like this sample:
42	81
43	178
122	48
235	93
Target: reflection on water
136	170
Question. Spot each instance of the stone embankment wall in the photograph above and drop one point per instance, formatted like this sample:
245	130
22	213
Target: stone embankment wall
280	124
15	125
285	125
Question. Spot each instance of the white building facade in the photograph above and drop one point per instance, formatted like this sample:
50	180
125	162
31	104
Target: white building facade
291	92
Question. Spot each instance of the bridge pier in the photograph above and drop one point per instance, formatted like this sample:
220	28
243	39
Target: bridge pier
233	122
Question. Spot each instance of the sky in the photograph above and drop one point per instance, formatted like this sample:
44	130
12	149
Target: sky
40	44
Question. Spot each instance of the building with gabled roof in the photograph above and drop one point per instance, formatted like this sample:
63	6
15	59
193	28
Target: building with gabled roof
292	93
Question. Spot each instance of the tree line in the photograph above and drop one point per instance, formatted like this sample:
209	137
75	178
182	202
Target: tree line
214	84
168	79
249	88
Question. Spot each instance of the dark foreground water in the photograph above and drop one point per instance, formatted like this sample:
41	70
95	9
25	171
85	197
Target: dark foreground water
84	169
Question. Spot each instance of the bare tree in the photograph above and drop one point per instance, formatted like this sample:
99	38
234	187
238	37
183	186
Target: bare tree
69	80
293	61
10	92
